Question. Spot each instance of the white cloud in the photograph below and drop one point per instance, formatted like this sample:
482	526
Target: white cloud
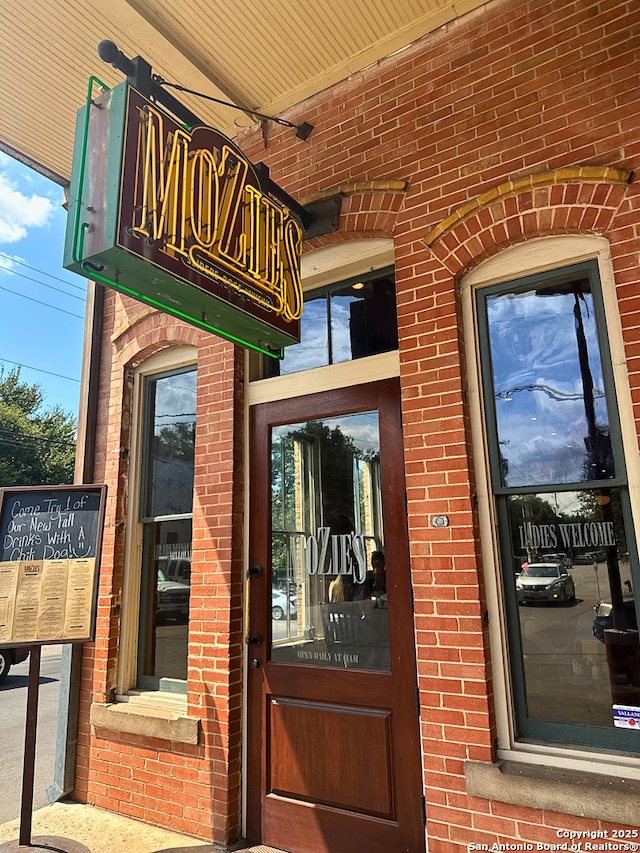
19	212
8	262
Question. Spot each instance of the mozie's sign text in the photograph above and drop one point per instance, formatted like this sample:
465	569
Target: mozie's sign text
177	218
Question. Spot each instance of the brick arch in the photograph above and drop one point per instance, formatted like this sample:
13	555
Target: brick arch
149	333
580	200
369	209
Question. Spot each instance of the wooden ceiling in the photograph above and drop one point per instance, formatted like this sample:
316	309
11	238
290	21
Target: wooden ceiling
267	55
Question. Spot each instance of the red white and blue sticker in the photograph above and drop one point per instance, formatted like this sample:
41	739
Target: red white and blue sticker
626	716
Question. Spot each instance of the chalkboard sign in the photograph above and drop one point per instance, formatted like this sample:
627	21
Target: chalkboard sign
50	543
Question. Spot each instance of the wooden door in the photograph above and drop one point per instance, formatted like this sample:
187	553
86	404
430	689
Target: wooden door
333	738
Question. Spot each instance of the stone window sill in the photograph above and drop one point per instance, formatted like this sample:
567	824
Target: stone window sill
149	715
574	792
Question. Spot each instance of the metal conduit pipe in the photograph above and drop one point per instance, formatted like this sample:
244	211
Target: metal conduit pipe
71	664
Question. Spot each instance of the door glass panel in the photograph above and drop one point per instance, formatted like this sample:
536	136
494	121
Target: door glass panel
329	594
572	578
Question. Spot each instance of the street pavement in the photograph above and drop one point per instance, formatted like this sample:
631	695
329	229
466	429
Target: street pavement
93	830
67	826
13	703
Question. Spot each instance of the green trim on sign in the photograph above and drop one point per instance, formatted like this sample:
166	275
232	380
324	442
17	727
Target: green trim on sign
94	271
77	255
154	303
140	297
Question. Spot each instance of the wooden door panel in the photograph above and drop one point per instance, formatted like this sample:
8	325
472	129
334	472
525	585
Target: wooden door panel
352	768
333	749
322	829
317	684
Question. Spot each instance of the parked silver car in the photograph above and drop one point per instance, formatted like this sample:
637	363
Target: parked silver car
544	582
281	605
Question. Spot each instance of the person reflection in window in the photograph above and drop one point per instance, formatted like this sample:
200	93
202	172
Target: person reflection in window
379	572
343	587
377	580
337	593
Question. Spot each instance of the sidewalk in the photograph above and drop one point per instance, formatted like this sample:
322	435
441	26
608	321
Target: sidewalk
100	831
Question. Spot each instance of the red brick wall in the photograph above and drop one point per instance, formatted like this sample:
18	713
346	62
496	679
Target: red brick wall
192	789
479	110
511	91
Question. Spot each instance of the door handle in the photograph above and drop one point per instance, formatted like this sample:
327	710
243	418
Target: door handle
252	572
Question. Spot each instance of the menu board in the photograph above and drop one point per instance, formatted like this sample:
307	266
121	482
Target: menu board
50	542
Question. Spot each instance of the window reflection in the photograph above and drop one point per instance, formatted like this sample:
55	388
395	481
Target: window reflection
166	508
363	320
313	349
329	601
572	580
548	386
344	323
172	405
165	608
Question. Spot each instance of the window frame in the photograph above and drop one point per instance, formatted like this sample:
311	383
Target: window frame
533	259
168	361
526	727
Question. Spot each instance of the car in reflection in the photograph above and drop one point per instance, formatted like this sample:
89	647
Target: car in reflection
173	598
561	559
177	570
587	558
9	658
548	582
604	615
281	605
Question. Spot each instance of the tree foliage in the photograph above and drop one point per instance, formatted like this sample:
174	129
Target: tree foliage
37	444
176	441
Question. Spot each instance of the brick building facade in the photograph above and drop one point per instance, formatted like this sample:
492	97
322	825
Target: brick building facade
494	156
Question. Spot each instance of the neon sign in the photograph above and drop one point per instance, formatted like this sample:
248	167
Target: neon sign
177	218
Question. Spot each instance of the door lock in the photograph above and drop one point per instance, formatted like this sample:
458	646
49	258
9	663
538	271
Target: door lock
255	663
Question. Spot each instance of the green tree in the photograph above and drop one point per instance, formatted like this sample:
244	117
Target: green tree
37	444
176	442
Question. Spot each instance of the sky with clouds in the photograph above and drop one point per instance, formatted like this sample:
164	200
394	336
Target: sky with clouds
538	385
42	305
